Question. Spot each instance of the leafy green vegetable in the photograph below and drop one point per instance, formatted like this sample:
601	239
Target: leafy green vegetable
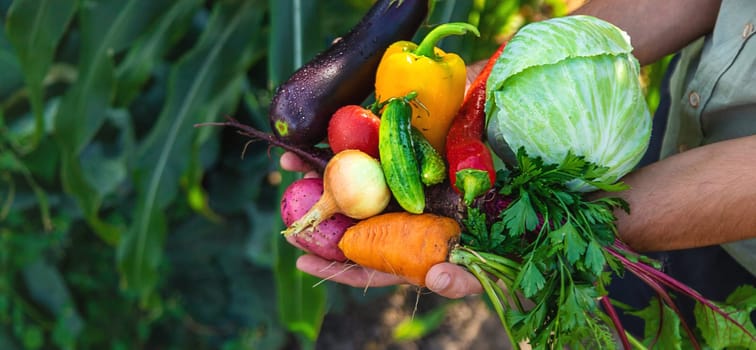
558	234
662	326
561	249
569	85
718	332
565	95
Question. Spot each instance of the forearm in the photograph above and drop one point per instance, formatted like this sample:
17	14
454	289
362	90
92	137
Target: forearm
656	28
700	197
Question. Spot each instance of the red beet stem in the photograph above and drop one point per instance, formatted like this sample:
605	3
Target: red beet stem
315	157
609	309
670	282
652	280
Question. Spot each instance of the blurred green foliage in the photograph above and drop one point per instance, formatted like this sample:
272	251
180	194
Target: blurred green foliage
121	224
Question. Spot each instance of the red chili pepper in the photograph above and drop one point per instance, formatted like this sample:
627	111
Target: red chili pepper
471	169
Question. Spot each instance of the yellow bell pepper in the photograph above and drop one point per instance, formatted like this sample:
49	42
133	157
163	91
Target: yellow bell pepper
438	79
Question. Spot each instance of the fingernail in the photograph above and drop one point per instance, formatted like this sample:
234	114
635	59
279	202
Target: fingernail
441	281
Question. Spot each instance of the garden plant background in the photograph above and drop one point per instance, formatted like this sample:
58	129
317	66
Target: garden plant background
122	226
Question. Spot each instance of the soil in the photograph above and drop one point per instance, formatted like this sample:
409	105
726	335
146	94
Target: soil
468	323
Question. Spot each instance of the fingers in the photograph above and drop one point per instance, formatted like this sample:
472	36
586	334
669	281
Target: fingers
452	281
472	72
349	274
446	279
291	162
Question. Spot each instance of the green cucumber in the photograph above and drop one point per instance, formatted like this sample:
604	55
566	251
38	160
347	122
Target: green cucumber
397	153
432	166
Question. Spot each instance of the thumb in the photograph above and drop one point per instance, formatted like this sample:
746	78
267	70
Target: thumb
452	281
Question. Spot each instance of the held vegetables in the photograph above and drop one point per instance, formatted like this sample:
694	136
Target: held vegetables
404	244
353	185
437	77
572	112
397	152
569	85
323	239
471	167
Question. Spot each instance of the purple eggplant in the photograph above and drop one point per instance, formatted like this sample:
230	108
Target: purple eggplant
343	74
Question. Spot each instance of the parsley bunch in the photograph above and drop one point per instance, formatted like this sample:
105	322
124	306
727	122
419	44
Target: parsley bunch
557	235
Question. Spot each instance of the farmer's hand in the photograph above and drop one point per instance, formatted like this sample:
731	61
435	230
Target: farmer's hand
291	162
449	280
446	279
472	72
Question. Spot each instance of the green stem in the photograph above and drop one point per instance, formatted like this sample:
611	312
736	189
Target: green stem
514	265
427	46
508	285
500	267
472	183
490	288
506	270
637	344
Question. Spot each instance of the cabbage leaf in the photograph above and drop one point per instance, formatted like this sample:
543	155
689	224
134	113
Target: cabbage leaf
569	85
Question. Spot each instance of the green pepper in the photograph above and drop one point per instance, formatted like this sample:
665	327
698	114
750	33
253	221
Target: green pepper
438	78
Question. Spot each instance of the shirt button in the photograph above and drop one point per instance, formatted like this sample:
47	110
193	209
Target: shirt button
682	148
747	30
694	99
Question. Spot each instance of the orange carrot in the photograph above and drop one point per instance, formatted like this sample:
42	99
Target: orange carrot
401	243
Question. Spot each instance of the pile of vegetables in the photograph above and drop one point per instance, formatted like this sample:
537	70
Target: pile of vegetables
409	180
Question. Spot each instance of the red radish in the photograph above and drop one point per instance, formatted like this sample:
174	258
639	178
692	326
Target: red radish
322	240
354	127
353	185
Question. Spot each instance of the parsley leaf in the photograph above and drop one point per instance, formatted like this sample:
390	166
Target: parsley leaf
563	260
531	279
520	216
594	258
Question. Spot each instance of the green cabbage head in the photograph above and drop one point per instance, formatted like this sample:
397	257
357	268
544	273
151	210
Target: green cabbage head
569	84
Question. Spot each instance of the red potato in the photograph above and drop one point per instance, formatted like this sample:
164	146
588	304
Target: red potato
354	127
321	240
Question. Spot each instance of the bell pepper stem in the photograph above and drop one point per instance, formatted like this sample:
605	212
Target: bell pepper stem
427	46
472	183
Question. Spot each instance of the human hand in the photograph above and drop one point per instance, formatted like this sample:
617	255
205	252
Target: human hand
446	279
291	162
473	70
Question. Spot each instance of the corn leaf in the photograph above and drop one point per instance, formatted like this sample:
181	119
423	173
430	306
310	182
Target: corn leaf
107	27
301	308
222	54
13	78
304	310
34	28
147	52
204	147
